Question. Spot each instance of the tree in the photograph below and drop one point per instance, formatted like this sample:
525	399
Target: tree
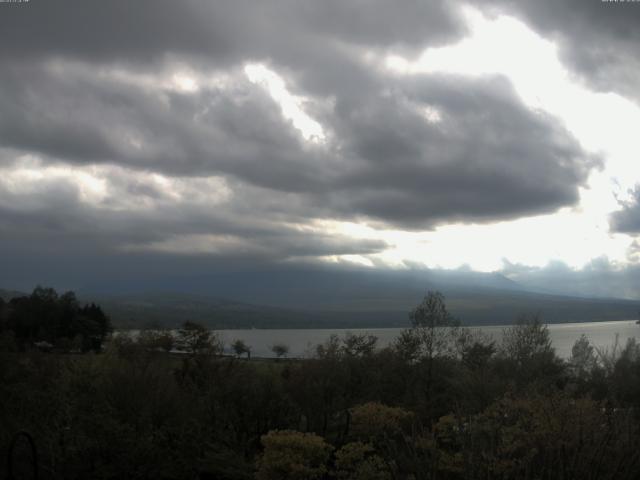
434	326
407	346
280	350
435	330
387	429
195	339
330	349
95	326
538	436
583	358
354	345
165	340
44	316
474	382
240	348
373	421
290	455
475	348
156	340
526	339
527	348
359	461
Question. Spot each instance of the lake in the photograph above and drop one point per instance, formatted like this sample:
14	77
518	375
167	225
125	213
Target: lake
302	341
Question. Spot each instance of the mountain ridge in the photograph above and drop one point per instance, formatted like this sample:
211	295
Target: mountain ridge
343	299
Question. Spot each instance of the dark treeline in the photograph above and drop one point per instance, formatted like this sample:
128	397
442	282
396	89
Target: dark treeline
439	403
51	321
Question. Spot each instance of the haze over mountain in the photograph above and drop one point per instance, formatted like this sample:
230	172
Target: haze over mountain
324	300
348	298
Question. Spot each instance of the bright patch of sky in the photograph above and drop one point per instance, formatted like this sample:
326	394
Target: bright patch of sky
291	105
604	123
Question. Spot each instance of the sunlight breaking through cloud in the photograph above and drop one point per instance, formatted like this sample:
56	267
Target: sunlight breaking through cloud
291	105
602	122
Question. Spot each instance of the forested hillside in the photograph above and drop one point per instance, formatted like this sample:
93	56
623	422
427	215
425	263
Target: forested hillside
439	403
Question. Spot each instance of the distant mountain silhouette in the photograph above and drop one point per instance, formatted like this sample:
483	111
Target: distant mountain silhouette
333	298
299	298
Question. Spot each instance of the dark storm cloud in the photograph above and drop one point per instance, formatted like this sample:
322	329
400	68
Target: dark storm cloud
597	39
627	220
219	225
75	116
68	232
487	157
146	30
87	85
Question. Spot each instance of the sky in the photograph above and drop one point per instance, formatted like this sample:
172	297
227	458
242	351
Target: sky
149	138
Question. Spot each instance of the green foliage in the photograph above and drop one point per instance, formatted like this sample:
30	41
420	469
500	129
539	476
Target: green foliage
156	340
241	348
530	357
290	455
330	349
433	325
543	434
280	350
474	410
359	461
527	339
350	345
432	312
475	350
49	321
374	420
583	359
359	345
407	346
196	339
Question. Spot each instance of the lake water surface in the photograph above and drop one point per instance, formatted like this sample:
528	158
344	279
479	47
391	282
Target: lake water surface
302	341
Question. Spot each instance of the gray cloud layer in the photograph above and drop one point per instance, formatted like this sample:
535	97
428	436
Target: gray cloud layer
146	30
598	39
599	278
627	220
84	86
